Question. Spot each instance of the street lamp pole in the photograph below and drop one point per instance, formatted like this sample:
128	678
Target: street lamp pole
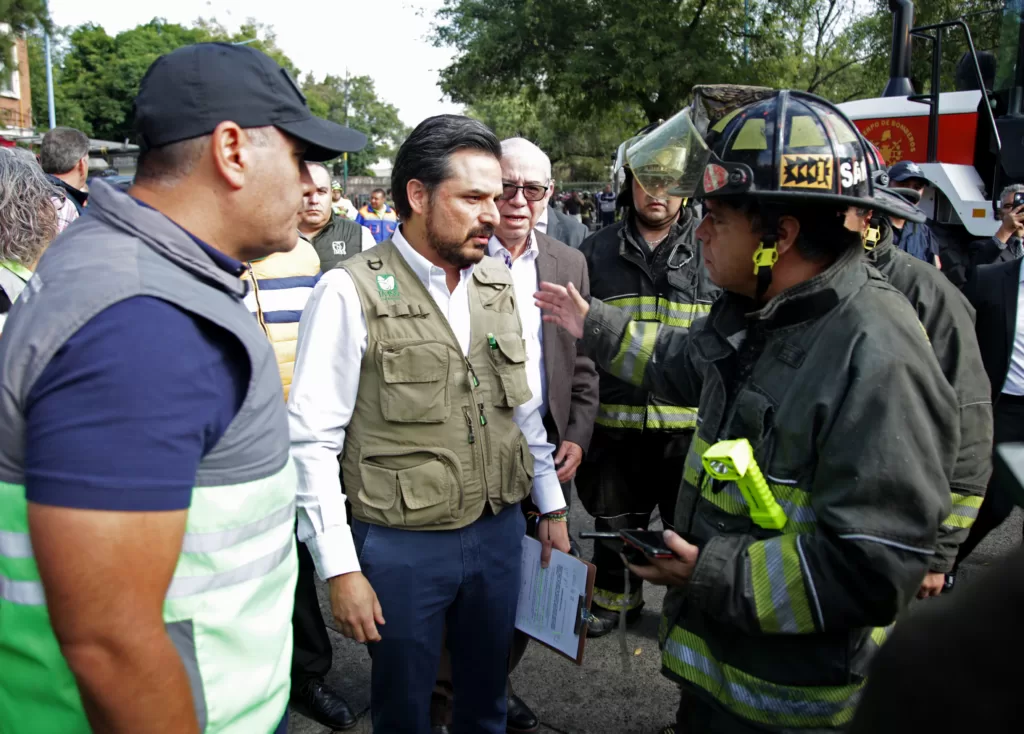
345	157
49	76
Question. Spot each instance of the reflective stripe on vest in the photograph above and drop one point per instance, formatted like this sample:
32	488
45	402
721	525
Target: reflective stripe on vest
227	611
661	417
777	576
17	268
663	310
964	512
635	351
686	656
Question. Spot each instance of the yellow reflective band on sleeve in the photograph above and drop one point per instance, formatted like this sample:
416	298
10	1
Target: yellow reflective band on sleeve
613	602
635	351
688	658
964	512
663	310
639	308
781	601
653	417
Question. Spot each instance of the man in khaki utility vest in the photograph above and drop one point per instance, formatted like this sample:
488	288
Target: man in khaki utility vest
411	366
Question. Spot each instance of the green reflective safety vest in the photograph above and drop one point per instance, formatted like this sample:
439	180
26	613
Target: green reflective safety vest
432	439
228	608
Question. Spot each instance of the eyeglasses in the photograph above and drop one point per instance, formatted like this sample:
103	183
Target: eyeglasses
531	192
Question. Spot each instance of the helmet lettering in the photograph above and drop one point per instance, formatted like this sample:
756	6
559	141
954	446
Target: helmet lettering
852	173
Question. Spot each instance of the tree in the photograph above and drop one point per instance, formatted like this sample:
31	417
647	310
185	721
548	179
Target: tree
101	74
594	57
585	56
97	77
580	150
353	101
67	111
20	17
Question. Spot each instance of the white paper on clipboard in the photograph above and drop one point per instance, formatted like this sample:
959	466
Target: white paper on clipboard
549	598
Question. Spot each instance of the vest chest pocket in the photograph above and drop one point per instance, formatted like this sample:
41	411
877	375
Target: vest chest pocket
414	384
413	487
508	357
496	290
498	298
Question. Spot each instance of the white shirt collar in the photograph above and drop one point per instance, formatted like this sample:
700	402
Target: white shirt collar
423	268
495	249
542	221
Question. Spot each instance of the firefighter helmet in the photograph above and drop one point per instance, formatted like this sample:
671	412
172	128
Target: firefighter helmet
784	146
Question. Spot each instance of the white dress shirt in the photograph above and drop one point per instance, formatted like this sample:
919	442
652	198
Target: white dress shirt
1014	384
524	278
542	222
329	354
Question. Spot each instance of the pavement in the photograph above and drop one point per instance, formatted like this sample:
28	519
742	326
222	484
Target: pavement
607	694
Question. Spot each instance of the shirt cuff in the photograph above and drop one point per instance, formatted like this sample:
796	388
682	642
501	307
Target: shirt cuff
333	552
547	493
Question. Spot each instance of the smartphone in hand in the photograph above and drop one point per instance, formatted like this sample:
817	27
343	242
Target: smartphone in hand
641	545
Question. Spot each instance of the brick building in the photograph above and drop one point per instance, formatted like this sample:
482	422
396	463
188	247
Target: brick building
15	93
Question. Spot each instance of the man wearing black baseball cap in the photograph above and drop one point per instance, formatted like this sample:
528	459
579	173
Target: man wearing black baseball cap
146	490
911	237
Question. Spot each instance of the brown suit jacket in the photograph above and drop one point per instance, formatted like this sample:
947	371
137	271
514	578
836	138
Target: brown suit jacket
572	404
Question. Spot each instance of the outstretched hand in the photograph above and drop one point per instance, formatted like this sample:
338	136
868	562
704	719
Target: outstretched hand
563	306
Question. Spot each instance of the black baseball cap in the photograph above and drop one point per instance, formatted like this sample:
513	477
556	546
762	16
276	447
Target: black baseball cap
185	94
905	170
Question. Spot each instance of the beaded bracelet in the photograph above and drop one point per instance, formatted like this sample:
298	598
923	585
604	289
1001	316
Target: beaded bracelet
556	516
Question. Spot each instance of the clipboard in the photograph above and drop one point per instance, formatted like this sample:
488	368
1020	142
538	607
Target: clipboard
549	601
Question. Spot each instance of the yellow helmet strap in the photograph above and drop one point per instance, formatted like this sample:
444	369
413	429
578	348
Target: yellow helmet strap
872	236
767	253
765	257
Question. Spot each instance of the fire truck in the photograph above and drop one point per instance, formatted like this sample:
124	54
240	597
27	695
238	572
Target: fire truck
969	142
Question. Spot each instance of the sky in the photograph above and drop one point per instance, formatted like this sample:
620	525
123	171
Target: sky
383	39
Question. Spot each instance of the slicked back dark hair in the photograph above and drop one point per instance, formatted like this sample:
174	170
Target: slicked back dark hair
425	154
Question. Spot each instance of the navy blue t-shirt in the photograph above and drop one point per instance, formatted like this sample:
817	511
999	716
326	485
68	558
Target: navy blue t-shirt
125	411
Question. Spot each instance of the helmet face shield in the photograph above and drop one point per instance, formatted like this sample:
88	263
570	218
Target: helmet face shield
669	160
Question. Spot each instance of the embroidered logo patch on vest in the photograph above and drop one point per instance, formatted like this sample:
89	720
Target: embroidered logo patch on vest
387	287
339	247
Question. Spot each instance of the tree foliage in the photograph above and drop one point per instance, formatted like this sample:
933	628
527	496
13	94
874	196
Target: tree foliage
96	78
592	57
100	74
67	110
20	17
578	152
353	102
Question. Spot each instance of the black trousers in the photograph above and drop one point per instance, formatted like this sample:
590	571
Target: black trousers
311	656
1008	426
620	485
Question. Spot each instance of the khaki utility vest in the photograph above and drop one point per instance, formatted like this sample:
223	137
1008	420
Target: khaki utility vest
432	440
